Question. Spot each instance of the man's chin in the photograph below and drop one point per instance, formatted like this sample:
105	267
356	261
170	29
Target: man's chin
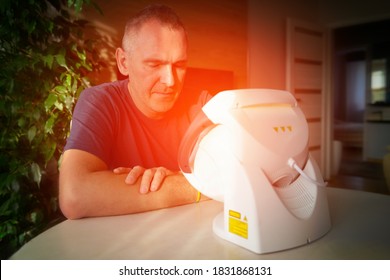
163	107
164	102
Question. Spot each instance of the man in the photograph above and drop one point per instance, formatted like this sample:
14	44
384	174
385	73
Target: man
121	156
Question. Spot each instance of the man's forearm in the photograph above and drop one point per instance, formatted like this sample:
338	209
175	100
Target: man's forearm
104	193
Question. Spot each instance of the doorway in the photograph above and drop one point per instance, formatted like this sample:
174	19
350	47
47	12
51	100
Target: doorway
350	101
352	47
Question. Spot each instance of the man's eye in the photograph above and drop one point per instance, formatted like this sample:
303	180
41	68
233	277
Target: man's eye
181	65
153	65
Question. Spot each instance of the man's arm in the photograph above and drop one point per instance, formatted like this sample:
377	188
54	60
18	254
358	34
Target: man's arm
87	188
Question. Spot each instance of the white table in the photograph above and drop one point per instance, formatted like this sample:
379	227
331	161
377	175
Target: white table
360	230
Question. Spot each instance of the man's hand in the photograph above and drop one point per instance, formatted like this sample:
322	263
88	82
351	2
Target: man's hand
152	178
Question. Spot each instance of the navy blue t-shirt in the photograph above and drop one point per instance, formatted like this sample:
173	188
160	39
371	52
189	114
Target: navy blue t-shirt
107	123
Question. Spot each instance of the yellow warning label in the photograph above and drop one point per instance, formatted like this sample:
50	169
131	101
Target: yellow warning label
234	214
236	226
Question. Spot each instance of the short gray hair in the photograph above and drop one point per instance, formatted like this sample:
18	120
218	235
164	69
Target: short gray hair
160	13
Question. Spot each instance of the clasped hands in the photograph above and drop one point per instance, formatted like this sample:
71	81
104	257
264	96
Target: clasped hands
151	179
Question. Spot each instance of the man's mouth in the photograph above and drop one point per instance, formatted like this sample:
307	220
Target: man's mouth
164	93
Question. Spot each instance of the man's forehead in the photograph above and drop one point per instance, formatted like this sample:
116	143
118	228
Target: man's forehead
156	41
154	29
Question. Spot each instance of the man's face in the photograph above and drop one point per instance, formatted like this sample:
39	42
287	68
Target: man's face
156	66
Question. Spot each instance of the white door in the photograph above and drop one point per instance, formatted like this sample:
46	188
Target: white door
308	79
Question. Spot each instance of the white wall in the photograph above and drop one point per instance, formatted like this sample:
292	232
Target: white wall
267	37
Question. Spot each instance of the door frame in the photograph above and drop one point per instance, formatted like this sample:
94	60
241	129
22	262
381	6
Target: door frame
326	150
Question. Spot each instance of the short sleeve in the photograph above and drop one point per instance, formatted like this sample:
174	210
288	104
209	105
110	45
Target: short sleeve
92	127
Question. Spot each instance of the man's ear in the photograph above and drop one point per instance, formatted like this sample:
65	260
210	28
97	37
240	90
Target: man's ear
122	61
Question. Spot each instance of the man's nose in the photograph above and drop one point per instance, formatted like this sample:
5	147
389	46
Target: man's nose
167	76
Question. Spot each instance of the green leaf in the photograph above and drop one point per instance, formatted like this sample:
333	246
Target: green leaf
60	58
21	122
82	55
31	27
11	86
50	100
61	89
36	114
74	86
48	60
78	4
49	151
68	81
59	105
70	3
6	207
69	101
31	133
36	173
50	123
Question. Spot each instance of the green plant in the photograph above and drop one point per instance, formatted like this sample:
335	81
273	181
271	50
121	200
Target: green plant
45	62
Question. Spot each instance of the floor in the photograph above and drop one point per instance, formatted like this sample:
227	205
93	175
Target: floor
357	174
